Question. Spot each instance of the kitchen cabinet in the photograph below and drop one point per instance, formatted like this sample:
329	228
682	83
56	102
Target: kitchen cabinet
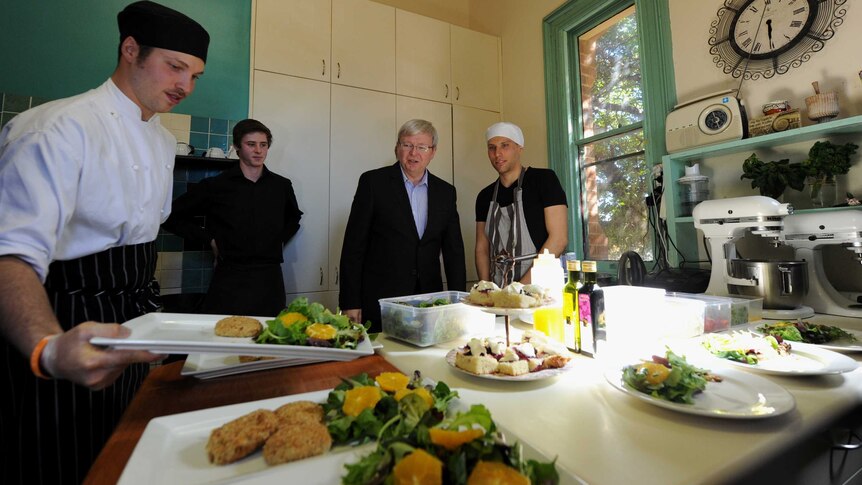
297	112
422	72
475	69
471	171
681	228
363	138
292	37
363	44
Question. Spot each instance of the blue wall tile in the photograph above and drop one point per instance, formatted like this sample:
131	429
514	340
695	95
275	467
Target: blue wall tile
200	124
199	140
218	126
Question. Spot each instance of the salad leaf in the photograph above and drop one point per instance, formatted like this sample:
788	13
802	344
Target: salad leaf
807	332
681	383
348	334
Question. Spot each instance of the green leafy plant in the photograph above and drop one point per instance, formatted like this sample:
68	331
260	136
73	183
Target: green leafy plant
826	159
773	177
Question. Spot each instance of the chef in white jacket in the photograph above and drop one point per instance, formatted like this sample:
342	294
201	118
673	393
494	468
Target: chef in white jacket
86	183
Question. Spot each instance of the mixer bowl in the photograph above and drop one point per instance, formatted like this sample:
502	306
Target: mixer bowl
781	284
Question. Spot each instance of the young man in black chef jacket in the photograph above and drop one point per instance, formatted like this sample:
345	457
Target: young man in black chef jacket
247	279
86	183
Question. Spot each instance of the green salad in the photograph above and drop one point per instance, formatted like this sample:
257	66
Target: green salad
806	332
463	446
303	323
670	378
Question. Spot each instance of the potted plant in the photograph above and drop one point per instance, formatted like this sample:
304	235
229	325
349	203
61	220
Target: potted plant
825	161
773	177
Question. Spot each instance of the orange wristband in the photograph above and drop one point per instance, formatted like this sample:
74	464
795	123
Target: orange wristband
37	355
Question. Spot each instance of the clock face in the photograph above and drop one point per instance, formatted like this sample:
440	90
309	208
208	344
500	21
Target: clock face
762	38
765	28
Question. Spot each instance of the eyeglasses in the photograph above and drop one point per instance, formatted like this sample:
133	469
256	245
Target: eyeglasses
420	148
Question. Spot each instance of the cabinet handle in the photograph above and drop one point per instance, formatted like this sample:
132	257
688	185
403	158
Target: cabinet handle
324	67
339	71
447	91
457	93
321	276
336	275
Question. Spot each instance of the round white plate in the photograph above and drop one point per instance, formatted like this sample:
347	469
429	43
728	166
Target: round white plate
530	376
839	345
512	312
739	395
804	360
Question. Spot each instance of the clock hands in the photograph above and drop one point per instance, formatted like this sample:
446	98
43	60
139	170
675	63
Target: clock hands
769	33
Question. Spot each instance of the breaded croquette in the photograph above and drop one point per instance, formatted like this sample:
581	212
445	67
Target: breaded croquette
238	327
295	442
241	437
299	412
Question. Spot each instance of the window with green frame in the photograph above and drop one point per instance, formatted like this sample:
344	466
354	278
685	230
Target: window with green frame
609	86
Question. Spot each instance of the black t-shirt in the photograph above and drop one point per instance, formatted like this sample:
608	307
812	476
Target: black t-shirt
541	189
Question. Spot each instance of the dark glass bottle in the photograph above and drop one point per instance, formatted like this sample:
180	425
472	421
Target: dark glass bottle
591	310
570	305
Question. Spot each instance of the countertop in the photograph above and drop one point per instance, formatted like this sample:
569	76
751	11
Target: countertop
603	436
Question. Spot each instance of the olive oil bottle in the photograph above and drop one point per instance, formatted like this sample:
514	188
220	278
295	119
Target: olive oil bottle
591	310
570	305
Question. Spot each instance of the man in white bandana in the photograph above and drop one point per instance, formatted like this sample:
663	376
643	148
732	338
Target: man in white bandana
523	212
87	182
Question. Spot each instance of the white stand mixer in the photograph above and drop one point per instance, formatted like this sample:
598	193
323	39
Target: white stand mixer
808	234
724	221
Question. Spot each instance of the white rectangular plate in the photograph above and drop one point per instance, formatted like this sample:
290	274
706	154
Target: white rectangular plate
207	366
187	333
173	450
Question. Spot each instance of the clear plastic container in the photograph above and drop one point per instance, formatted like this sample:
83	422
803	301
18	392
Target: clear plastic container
695	189
716	317
745	310
403	319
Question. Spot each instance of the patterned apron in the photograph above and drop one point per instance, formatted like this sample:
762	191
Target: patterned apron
53	430
507	230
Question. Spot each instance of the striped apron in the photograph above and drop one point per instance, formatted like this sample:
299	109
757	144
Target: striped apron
52	431
507	230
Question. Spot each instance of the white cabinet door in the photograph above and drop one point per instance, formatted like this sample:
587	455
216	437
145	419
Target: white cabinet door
293	37
422	72
297	112
472	171
475	69
363	138
363	44
440	115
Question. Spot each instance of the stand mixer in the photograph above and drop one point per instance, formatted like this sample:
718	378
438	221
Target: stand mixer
808	234
724	221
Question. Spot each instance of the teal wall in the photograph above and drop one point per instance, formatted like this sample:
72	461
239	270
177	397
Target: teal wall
57	48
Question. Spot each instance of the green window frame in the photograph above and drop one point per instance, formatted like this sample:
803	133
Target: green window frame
561	29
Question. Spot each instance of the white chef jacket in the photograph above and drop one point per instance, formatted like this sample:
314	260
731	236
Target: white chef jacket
81	175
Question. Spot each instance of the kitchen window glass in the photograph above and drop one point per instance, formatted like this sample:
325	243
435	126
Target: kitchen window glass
609	83
612	169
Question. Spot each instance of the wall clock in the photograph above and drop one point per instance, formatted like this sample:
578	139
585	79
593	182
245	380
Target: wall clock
762	38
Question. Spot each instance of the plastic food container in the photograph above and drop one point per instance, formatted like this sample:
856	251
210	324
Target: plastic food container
716	317
402	318
745	310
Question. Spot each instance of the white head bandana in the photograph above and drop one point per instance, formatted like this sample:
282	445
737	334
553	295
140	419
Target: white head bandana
505	129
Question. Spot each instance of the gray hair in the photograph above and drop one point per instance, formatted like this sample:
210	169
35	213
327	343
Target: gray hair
418	127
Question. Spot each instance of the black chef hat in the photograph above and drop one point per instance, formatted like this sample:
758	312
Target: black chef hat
155	25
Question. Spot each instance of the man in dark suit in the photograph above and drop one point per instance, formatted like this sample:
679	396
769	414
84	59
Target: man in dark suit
401	219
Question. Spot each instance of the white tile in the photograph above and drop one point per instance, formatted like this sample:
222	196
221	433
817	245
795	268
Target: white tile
171	278
182	122
181	136
171	260
171	291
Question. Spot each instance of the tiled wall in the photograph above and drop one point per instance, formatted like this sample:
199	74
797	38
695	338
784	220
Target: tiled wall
183	267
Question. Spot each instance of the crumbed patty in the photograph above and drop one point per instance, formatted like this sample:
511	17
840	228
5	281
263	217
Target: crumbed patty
299	412
238	327
241	437
295	442
253	358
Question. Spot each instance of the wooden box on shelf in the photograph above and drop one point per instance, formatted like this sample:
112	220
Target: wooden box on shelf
775	122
